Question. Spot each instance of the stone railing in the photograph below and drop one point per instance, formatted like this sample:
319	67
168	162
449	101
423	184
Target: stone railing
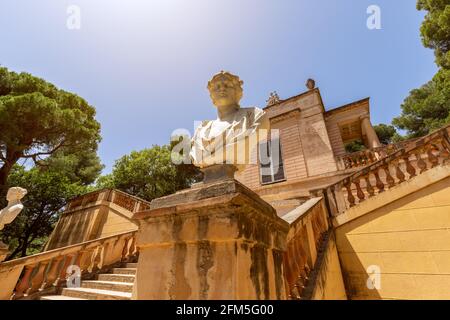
118	197
403	164
44	273
369	156
308	225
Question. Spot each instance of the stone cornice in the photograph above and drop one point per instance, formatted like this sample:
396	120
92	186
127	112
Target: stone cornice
351	106
292	98
284	116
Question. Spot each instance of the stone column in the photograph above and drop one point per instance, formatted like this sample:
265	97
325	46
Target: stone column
213	241
369	132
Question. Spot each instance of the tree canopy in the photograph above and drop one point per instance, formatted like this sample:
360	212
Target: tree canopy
428	107
385	133
83	167
37	119
149	174
435	29
48	192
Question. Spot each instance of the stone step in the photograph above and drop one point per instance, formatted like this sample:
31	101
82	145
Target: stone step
131	265
108	285
60	298
96	294
124	271
128	278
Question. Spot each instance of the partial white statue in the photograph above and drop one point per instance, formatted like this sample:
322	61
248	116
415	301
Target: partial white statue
10	212
233	137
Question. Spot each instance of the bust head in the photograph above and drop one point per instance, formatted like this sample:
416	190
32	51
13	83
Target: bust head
15	193
225	90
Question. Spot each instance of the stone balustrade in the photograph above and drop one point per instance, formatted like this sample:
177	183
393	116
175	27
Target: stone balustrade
369	156
117	197
32	276
403	164
308	225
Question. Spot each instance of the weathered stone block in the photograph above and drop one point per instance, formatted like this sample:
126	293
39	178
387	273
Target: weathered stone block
216	241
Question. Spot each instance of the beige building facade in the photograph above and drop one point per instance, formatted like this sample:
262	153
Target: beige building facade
312	142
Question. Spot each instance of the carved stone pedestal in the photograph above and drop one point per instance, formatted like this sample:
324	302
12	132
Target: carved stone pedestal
215	241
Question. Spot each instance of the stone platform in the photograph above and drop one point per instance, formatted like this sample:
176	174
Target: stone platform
215	241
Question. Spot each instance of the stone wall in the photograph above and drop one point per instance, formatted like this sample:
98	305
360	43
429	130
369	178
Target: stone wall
406	237
95	215
329	283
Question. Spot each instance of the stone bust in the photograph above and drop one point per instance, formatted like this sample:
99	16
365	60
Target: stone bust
10	212
234	135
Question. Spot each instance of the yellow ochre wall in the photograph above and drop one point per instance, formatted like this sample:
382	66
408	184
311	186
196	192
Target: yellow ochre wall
116	223
409	239
89	224
329	284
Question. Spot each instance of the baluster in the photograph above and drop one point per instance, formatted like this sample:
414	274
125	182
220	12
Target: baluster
373	157
95	259
398	172
79	259
431	157
132	250
85	260
294	293
38	278
331	196
379	184
359	191
301	281
52	273
377	155
351	162
420	163
350	197
389	179
104	255
63	272
348	162
369	187
24	282
409	167
444	148
125	249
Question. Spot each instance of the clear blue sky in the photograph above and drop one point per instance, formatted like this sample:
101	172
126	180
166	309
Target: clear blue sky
145	64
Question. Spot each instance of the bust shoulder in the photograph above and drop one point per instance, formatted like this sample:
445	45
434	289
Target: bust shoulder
255	116
251	112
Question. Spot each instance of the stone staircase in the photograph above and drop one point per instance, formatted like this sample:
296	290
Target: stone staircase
117	285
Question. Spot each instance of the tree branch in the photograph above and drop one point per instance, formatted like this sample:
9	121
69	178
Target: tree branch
35	156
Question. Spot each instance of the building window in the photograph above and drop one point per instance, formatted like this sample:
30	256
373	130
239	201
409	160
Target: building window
350	131
271	167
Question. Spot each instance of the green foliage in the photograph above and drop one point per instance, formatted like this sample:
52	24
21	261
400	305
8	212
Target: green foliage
354	146
435	29
82	167
37	120
149	174
57	130
398	138
385	132
427	108
48	191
